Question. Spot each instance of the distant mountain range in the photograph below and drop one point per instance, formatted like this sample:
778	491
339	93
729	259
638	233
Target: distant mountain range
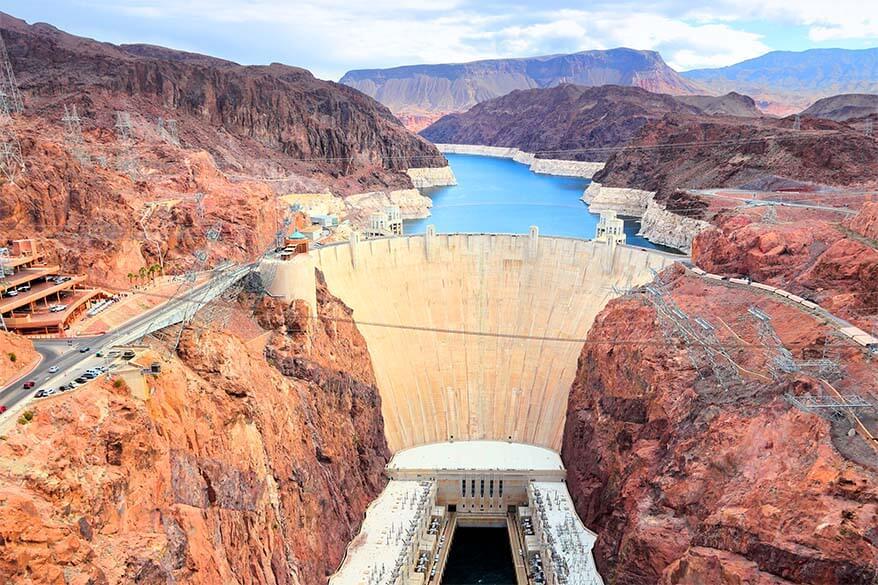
786	81
781	82
708	141
421	89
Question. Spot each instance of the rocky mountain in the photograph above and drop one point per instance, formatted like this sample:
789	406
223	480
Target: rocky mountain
108	206
245	464
259	120
784	82
707	152
422	89
731	104
567	121
842	108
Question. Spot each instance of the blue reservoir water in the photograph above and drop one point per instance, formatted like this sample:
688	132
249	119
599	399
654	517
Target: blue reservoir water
500	195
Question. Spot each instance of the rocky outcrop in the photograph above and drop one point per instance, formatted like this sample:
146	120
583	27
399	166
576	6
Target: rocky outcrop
628	202
711	152
842	108
567	122
426	178
731	104
686	482
666	228
811	258
565	168
865	222
411	202
414	90
17	355
242	466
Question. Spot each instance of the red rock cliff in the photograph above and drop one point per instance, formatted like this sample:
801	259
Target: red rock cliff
685	482
239	468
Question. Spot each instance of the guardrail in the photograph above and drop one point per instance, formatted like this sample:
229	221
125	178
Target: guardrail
852	332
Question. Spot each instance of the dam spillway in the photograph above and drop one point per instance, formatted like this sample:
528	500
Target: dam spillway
477	336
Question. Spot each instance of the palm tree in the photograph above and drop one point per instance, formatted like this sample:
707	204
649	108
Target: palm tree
142	273
156	269
131	277
150	272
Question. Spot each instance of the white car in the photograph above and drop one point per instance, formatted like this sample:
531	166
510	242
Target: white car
53	370
12	293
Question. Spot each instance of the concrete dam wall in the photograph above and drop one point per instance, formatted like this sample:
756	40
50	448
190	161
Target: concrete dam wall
477	336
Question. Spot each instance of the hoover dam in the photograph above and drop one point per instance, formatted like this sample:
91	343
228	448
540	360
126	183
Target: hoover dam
474	339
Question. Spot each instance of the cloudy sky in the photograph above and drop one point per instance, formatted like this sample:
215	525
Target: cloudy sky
330	37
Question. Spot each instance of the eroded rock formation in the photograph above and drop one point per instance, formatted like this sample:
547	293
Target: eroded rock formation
687	482
242	466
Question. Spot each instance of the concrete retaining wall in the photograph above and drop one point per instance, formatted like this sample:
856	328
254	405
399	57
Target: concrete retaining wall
463	330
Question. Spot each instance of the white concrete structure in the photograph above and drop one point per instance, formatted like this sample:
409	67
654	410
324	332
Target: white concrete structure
471	483
610	229
292	279
566	542
477	336
476	455
385	223
384	550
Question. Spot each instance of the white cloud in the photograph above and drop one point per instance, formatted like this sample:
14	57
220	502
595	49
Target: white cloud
331	36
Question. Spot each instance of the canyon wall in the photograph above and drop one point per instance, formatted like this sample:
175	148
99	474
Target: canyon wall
476	336
687	482
243	465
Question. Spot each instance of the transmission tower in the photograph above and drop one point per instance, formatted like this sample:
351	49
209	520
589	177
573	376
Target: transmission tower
869	128
698	335
797	123
167	129
73	135
126	162
770	215
11	160
782	362
212	235
9	93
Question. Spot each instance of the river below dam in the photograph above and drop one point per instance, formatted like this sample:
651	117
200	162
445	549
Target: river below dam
502	196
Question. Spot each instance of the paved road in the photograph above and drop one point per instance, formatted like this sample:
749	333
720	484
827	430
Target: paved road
66	355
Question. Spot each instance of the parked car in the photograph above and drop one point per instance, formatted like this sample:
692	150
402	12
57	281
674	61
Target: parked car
53	370
89	376
12	293
40	394
29	384
84	349
64	388
80	380
2	408
23	288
